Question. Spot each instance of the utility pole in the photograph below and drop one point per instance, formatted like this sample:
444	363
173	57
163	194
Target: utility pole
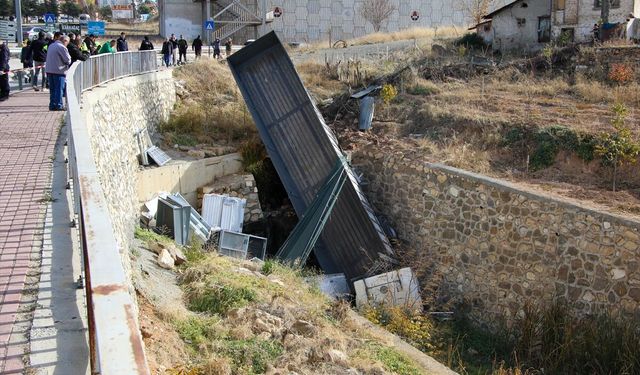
18	6
604	16
263	17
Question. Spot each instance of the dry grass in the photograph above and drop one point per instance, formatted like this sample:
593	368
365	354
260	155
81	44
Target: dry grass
422	35
318	78
595	92
243	319
211	108
418	33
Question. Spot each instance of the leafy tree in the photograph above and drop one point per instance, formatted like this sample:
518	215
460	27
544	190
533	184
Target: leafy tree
144	9
31	8
475	9
71	8
376	12
51	6
105	12
6	8
620	147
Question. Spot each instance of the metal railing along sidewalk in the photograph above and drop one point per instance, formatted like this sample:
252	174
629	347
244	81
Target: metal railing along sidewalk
114	336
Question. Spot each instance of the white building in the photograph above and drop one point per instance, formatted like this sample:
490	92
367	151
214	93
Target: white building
521	25
577	18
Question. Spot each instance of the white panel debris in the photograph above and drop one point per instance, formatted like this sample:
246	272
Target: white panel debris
396	288
223	212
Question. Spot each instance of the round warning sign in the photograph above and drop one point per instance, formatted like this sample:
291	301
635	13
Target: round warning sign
277	12
415	16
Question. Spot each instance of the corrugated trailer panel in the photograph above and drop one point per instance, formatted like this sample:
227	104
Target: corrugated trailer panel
304	151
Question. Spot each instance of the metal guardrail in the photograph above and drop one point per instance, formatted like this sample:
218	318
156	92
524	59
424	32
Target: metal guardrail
115	341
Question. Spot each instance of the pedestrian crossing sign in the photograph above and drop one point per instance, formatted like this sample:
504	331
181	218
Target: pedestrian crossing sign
209	26
49	18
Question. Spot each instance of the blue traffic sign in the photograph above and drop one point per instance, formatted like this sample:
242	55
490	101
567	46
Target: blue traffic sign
95	27
49	18
209	25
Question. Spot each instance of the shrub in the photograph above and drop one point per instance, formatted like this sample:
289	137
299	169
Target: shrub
388	93
620	147
620	73
545	144
251	356
218	299
549	141
410	325
471	41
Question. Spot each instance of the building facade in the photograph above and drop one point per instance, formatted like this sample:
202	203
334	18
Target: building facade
521	25
301	20
577	18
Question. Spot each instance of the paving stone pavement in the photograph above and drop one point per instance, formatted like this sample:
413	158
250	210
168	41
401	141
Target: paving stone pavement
28	133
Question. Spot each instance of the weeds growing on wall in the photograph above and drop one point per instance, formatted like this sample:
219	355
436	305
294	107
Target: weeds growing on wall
546	339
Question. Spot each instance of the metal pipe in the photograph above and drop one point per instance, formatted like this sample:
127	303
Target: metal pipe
18	6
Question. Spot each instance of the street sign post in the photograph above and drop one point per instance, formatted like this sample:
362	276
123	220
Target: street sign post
8	30
209	27
49	18
95	27
67	28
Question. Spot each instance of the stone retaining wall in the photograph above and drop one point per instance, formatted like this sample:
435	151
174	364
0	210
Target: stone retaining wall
496	246
113	114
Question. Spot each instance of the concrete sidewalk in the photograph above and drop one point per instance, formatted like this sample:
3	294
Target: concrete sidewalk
28	135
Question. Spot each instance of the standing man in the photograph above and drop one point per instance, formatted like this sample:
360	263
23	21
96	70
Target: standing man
182	49
39	55
174	51
57	64
227	47
4	72
146	44
197	46
123	46
167	51
26	58
90	43
216	49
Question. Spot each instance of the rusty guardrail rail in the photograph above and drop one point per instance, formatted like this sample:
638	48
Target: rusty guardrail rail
115	341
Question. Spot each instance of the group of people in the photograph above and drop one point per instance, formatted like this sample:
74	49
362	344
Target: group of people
173	46
38	59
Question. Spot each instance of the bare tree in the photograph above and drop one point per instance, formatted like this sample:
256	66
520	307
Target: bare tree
475	9
376	12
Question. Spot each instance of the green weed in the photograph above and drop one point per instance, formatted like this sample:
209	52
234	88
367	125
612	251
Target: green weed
392	360
150	236
218	299
251	356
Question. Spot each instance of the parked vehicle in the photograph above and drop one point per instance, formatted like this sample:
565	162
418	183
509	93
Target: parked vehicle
84	18
32	33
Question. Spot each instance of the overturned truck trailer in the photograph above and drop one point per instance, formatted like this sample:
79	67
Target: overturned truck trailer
304	151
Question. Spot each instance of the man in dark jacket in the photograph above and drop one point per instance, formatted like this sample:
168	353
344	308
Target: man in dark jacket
146	44
4	72
197	46
39	54
122	44
26	58
75	52
216	49
90	42
182	49
167	51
